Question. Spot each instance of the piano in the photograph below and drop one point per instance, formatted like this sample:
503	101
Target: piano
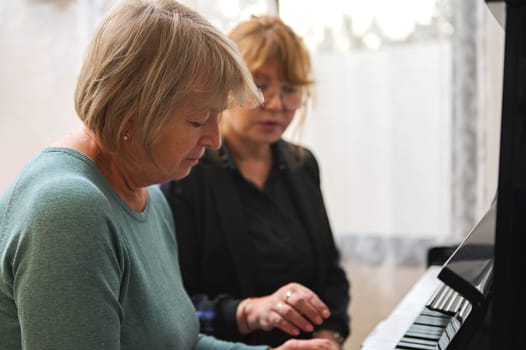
477	298
449	304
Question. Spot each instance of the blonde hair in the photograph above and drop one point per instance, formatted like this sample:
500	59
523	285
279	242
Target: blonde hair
150	57
264	39
267	39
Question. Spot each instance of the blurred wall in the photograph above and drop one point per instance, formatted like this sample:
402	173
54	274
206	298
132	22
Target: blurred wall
380	123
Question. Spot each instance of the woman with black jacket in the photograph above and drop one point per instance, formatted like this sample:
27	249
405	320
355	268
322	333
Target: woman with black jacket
256	249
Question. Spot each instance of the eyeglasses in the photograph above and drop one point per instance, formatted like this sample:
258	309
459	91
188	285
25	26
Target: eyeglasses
291	96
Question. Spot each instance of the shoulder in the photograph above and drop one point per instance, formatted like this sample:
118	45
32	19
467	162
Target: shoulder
57	220
71	195
298	158
57	177
50	190
54	202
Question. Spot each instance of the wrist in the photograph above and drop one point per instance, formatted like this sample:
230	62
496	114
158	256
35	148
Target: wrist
329	334
242	316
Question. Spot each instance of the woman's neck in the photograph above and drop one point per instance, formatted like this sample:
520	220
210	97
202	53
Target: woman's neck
254	160
110	166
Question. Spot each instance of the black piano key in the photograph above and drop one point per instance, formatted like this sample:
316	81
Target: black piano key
427	328
432	330
434	313
432	321
411	345
423	335
423	339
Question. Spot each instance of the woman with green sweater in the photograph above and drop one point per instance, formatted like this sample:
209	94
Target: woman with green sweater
88	258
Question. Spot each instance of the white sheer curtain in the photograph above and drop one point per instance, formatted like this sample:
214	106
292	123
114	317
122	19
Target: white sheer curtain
226	13
381	122
406	119
403	120
477	66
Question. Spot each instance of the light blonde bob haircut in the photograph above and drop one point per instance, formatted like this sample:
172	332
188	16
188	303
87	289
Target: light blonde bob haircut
151	58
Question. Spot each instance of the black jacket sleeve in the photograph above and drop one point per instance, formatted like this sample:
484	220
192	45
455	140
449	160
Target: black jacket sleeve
335	286
188	201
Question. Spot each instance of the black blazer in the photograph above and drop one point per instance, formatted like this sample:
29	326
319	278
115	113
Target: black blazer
216	261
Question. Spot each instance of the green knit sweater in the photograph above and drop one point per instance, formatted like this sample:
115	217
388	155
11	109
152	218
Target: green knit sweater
80	270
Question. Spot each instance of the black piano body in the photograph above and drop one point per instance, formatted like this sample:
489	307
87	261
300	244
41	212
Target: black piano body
480	299
508	319
457	314
488	269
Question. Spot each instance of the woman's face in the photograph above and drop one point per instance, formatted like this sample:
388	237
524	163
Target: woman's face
265	124
179	146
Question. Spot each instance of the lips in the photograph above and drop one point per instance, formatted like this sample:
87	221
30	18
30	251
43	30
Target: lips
269	123
196	158
192	161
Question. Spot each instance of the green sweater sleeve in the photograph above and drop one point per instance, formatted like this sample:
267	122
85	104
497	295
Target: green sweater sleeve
205	342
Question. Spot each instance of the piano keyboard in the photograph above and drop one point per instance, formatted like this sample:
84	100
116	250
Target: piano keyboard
446	319
438	323
388	332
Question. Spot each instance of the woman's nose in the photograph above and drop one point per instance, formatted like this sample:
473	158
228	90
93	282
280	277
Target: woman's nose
273	101
212	138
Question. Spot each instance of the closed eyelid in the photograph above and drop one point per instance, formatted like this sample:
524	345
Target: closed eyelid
204	117
201	116
196	124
